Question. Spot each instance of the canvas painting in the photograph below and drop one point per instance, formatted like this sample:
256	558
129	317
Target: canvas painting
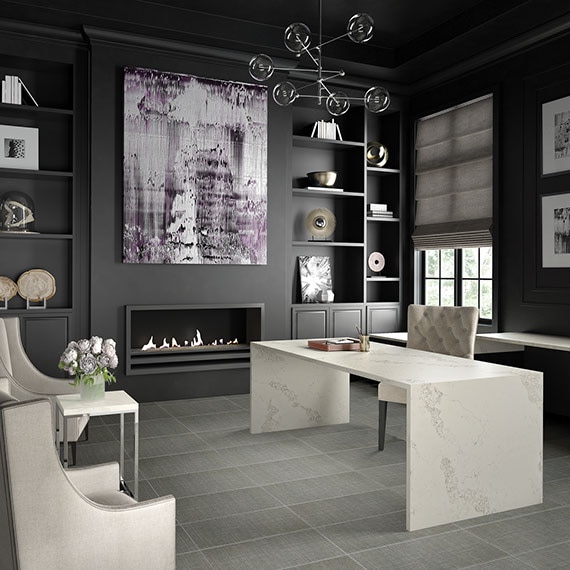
315	274
194	170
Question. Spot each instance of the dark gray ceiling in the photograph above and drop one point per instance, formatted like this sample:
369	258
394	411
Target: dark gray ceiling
413	40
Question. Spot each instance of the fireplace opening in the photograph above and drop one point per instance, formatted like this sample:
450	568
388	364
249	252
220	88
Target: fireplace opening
176	338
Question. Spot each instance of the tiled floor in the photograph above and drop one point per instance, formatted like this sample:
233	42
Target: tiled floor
321	498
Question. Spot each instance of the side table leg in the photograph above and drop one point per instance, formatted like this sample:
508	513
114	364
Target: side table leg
65	444
122	456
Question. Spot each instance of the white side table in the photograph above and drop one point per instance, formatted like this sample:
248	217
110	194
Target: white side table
115	402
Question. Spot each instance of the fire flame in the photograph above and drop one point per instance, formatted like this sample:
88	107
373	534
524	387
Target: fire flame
196	341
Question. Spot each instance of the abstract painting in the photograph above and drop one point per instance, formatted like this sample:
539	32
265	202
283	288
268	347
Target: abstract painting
315	274
194	170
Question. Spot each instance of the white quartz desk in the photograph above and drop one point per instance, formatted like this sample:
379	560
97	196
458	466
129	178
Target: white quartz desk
474	429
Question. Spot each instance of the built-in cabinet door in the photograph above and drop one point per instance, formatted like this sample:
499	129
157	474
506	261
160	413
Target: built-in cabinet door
383	319
310	323
44	339
345	321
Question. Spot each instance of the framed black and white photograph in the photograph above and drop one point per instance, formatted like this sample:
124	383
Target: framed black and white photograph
556	230
315	274
19	147
556	136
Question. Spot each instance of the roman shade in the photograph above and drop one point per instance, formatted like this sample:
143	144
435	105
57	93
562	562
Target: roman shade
454	177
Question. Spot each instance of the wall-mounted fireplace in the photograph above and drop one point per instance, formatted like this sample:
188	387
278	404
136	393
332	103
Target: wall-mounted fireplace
179	338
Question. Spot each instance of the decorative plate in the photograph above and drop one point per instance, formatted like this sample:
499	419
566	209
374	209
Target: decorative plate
376	261
7	288
376	154
320	222
36	285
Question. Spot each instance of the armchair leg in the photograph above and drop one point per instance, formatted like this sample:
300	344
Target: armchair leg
73	445
382	409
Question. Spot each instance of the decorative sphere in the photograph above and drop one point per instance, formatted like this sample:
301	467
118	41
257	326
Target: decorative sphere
284	93
337	103
360	28
297	37
377	99
261	67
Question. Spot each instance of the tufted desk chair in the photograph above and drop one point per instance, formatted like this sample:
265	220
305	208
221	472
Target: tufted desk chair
21	379
445	330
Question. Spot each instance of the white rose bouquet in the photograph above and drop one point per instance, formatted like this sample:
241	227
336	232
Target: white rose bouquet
85	359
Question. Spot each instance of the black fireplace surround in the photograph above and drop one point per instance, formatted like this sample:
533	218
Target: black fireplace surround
218	325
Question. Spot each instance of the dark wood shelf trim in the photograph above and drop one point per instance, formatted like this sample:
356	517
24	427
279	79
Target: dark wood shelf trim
382	171
31	109
375	279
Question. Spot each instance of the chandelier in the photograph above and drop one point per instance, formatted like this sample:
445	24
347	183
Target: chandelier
297	39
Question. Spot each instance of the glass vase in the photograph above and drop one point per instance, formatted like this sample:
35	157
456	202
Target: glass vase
93	391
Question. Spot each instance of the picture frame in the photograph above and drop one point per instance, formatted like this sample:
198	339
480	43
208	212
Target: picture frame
556	230
556	136
19	147
315	276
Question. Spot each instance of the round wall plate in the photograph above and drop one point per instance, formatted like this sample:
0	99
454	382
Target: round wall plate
36	285
7	288
376	154
320	222
376	261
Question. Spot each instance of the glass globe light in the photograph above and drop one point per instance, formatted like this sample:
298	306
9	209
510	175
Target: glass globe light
337	103
284	93
360	28
297	37
261	67
377	99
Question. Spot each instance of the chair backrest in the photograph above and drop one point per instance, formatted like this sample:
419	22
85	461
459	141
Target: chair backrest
445	330
5	348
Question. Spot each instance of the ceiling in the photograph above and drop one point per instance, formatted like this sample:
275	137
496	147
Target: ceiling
414	40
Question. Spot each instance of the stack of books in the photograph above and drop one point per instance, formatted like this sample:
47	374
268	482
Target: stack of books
15	91
379	211
326	130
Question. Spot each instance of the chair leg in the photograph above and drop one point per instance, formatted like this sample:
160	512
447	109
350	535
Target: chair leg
73	445
382	409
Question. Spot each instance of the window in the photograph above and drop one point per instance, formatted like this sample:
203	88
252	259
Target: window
459	277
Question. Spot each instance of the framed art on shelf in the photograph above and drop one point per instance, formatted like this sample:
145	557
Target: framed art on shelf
556	136
20	147
316	277
556	230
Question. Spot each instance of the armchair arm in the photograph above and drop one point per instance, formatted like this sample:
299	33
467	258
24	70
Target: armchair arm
95	479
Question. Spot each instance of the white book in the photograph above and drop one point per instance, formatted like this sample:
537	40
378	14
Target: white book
3	91
8	89
378	207
27	91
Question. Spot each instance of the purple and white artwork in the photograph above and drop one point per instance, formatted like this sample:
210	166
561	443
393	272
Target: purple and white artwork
195	170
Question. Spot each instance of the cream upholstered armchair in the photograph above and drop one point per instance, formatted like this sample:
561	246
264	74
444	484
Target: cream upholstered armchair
20	378
53	518
445	330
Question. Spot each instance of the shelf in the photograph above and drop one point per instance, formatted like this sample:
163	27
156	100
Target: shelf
326	244
32	110
52	311
386	219
27	235
380	278
382	171
328	144
25	173
326	192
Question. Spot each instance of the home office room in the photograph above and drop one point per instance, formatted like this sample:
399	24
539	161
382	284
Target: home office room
284	285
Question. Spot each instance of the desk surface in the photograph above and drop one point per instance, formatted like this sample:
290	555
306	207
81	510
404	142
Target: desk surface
535	340
396	365
115	402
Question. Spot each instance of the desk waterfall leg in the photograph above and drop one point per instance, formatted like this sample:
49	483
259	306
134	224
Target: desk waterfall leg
473	448
290	393
65	444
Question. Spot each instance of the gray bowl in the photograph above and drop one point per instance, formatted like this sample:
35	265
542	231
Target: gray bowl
325	178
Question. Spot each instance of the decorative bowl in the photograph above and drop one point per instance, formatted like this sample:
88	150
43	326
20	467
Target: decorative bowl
325	178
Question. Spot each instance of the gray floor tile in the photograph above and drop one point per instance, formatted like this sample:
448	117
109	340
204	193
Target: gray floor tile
202	483
558	491
183	541
151	411
555	556
554	448
316	488
348	508
281	551
98	434
171	445
292	469
164	426
389	475
323	430
340	563
192	561
508	563
225	503
522	534
220	421
457	549
558	468
242	400
364	457
222	439
264	452
383	530
199	406
181	463
242	527
352	439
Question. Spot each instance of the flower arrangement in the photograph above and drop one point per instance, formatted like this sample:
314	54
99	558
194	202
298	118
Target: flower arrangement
85	359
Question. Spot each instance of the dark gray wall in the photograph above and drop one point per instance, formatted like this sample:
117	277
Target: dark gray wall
114	284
